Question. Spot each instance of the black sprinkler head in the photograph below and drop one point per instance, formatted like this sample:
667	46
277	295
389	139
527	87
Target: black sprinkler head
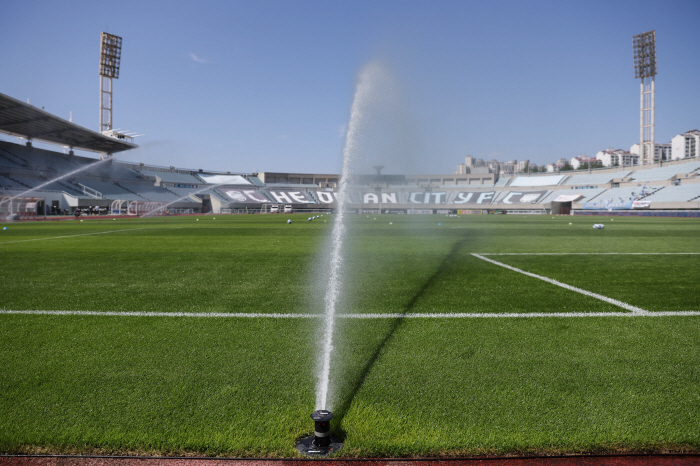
322	432
321	443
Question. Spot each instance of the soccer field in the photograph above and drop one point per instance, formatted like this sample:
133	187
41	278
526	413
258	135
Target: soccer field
457	336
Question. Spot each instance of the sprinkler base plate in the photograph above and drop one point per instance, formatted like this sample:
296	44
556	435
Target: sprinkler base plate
306	447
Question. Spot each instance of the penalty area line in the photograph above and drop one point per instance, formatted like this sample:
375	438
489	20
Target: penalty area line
70	236
629	307
444	315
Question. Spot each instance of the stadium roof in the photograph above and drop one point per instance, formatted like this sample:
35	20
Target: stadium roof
24	120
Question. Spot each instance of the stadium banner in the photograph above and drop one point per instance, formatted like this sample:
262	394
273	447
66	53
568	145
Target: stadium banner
469	212
223	179
327	197
522	197
607	205
245	196
641	204
568	198
443	212
423	197
419	211
380	198
290	197
476	197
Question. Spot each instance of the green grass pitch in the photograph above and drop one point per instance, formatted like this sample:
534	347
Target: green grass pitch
402	387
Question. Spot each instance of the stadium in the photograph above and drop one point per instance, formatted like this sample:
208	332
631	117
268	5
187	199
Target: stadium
666	189
144	313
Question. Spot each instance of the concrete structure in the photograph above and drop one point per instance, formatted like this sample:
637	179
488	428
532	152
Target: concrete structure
662	152
299	178
617	157
686	145
644	46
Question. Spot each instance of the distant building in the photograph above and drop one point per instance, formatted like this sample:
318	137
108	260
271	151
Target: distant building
576	162
686	145
661	151
557	166
523	165
617	157
473	166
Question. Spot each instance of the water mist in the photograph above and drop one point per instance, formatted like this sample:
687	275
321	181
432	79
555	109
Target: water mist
361	149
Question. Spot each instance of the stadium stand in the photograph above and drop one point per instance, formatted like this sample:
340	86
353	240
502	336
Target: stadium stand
502	182
149	191
588	194
595	178
8	183
624	194
534	181
109	189
170	176
256	181
665	173
682	193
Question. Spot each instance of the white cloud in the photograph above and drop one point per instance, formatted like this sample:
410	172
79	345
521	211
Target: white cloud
342	130
197	59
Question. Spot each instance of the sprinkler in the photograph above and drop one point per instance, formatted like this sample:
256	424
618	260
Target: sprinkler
321	443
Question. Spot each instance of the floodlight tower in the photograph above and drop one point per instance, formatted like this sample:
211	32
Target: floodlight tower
110	57
645	69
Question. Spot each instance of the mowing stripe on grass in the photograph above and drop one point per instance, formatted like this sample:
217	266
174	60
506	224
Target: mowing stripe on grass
629	307
70	236
444	315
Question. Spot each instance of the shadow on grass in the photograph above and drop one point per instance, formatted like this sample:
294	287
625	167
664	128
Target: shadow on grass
346	399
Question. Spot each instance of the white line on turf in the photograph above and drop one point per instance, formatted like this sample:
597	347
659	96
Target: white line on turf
588	253
629	307
71	236
451	315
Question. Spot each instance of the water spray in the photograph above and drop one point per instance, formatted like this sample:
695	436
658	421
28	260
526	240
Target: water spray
59	178
161	209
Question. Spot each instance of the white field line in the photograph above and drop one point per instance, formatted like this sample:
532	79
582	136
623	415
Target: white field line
451	315
629	307
70	236
588	253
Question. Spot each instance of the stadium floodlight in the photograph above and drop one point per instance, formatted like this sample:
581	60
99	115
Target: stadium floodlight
644	54
644	46
110	59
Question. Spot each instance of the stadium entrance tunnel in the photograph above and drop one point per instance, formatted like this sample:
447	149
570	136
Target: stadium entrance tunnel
321	443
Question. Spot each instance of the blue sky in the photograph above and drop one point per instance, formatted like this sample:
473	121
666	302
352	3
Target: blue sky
268	85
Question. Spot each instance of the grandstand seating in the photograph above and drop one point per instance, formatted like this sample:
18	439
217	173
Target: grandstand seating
594	178
465	186
109	189
256	181
533	181
171	177
682	193
502	182
627	193
664	173
8	183
149	191
588	194
182	192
